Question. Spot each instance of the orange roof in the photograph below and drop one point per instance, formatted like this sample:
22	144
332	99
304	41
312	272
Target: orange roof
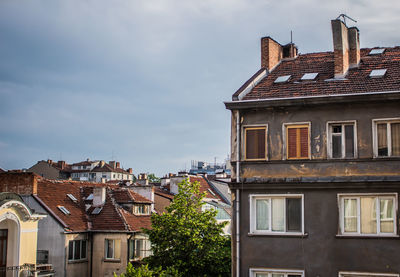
136	222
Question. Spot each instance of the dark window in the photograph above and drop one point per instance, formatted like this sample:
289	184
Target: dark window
255	143
349	141
342	140
76	250
293	214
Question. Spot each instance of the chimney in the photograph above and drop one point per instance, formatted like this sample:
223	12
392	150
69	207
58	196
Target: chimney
340	47
117	164
129	170
61	164
142	179
271	53
112	164
102	163
49	161
354	46
99	196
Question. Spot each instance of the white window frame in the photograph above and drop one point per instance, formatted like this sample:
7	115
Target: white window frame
330	141
375	123
357	196
113	247
344	273
253	220
244	136
284	130
270	271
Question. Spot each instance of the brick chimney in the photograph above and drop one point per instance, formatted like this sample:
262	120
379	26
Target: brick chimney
117	164
61	164
346	47
129	170
271	53
112	164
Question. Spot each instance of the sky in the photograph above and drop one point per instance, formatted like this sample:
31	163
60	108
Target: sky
143	82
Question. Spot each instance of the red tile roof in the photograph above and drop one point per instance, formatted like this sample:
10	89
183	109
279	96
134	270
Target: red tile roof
136	222
1	170
163	193
126	195
356	81
205	187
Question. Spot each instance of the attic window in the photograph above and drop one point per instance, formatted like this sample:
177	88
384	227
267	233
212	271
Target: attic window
376	51
97	210
64	210
72	197
90	197
309	76
211	192
282	79
377	73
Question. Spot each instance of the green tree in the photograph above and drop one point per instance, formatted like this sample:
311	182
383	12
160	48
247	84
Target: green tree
152	178
144	271
188	239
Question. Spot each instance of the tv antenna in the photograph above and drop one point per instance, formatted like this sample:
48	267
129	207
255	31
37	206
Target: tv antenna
344	16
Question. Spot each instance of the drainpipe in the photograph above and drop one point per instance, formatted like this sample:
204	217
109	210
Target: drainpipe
91	253
237	190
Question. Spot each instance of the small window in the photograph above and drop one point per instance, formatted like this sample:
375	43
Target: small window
387	138
90	197
210	191
276	214
309	76
77	250
376	51
64	210
377	73
341	140
72	197
368	214
275	273
255	143
97	210
297	141
282	79
112	249
141	209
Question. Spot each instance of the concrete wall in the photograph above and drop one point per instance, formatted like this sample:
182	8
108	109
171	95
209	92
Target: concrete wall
45	170
77	268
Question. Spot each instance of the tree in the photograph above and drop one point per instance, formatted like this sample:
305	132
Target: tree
188	239
144	271
152	178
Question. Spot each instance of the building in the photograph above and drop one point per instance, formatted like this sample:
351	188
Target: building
91	229
52	170
315	147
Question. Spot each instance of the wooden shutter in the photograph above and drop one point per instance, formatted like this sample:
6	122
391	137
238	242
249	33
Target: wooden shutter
297	146
255	143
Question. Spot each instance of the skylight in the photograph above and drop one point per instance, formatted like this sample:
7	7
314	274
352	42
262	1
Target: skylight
377	73
64	210
309	76
97	210
376	51
211	192
72	197
90	197
282	79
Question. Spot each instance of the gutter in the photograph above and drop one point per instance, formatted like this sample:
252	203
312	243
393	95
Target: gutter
237	192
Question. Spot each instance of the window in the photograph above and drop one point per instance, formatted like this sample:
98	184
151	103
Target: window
282	79
368	214
72	197
77	250
275	273
366	274
386	138
342	140
139	248
377	73
112	249
376	51
297	141
255	143
64	210
276	214
141	209
309	76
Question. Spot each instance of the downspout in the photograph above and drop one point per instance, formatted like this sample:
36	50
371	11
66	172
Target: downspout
91	253
237	191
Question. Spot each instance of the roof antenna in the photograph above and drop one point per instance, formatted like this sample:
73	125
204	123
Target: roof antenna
291	37
344	16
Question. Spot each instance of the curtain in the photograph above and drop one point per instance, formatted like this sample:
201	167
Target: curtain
368	215
350	215
262	214
387	215
395	129
278	215
382	139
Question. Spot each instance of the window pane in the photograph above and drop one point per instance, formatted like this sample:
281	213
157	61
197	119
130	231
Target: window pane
395	129
278	275
139	248
387	215
255	144
350	215
70	250
304	142
131	249
336	146
109	248
117	249
368	215
293	214
261	274
382	139
262	214
278	215
349	141
83	255
292	142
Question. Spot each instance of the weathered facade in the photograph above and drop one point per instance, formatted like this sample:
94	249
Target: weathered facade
315	147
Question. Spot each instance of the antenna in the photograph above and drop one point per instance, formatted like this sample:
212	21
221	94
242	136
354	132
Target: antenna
291	37
344	16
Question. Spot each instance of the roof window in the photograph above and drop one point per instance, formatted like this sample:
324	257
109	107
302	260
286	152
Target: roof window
64	210
309	76
97	210
211	192
377	73
282	79
376	51
72	197
90	197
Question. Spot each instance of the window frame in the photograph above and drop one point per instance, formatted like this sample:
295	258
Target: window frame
375	123
340	201
145	250
244	139
289	125
330	141
80	241
344	273
270	271
253	219
113	247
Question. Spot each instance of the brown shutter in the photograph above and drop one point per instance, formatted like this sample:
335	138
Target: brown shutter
292	142
255	143
304	142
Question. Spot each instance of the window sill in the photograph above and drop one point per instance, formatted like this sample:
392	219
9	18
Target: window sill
294	235
112	260
77	261
360	236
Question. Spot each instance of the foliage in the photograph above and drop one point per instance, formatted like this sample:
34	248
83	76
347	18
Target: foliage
152	178
144	271
189	239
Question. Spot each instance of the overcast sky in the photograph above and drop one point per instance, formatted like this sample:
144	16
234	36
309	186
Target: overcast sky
143	82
